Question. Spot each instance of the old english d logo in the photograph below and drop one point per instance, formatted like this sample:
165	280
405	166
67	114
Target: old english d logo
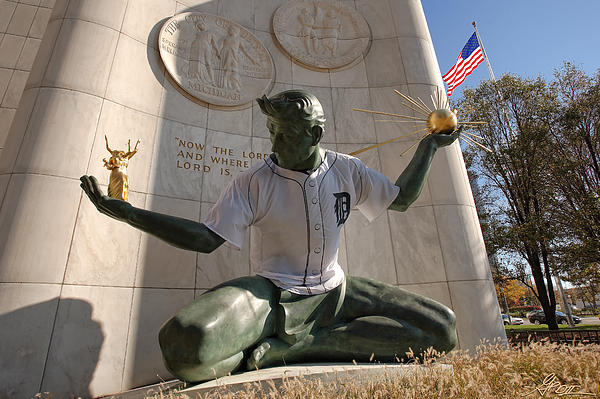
342	207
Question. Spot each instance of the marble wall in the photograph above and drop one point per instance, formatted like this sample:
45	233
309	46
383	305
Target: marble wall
82	296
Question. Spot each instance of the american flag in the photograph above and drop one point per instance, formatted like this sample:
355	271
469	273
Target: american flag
468	59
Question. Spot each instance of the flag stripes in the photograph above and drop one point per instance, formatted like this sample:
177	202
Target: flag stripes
468	59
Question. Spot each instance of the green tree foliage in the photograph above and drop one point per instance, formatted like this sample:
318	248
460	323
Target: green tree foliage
515	173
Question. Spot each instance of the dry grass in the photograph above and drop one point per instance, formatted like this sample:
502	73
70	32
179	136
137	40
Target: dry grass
495	371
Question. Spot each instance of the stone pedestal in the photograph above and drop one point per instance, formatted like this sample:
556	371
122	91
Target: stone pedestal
82	297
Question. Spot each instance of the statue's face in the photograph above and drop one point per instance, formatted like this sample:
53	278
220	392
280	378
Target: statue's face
292	143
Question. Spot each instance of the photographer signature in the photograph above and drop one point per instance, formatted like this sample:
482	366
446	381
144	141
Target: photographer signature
552	385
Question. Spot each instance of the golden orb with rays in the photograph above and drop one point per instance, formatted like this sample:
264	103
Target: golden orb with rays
442	121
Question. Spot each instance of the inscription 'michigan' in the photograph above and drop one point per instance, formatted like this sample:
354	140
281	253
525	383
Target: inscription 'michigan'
214	59
321	34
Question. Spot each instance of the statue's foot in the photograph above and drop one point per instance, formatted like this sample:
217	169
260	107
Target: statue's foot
268	353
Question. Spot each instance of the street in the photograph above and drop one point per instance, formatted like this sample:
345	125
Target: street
584	320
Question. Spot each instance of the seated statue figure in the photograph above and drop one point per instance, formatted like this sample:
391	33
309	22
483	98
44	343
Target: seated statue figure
300	306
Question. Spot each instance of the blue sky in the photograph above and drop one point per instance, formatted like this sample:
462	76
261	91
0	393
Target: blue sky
523	37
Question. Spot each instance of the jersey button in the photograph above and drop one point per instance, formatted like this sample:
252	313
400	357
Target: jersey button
317	226
314	200
317	250
312	183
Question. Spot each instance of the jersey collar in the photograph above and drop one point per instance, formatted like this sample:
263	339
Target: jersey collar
326	160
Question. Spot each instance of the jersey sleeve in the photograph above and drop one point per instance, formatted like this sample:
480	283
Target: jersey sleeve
376	191
232	214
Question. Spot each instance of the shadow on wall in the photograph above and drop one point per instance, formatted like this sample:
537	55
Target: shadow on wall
76	337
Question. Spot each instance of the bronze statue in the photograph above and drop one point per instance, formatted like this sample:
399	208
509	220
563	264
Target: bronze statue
300	306
118	186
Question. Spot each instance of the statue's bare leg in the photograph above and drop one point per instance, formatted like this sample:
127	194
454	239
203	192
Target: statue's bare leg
208	337
378	320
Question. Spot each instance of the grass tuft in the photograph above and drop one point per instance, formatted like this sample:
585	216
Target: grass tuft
495	371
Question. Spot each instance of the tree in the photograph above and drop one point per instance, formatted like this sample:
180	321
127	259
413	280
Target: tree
575	174
515	173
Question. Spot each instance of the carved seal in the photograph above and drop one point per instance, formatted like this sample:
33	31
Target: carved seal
214	59
321	34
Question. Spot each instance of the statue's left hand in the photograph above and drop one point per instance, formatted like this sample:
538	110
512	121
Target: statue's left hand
445	139
115	208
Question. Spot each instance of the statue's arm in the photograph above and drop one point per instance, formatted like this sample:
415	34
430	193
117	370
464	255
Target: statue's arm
412	179
179	232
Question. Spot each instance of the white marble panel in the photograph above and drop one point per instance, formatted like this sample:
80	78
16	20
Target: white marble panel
392	165
461	242
261	148
82	57
206	6
178	161
38	27
369	248
30	50
259	120
58	9
35	233
144	18
448	179
121	124
88	342
5	75
104	251
385	99
378	14
151	309
384	63
419	64
227	156
240	11
15	135
159	263
106	12
7	8
27	313
352	126
477	312
224	264
10	48
176	105
60	133
324	95
4	179
436	291
410	19
15	89
6	117
136	75
237	121
21	20
417	246
301	75
282	61
353	75
263	14
44	53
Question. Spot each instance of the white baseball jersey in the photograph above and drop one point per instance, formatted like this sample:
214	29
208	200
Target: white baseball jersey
296	217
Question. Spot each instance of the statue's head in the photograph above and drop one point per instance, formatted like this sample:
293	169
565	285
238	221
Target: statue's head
296	120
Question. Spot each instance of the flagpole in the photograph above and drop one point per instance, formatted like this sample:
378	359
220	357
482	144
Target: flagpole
487	60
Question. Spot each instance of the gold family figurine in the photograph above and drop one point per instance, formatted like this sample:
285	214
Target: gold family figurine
118	186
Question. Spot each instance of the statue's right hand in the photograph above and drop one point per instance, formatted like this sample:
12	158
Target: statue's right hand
112	207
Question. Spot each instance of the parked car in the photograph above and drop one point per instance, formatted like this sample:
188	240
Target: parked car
513	320
538	317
